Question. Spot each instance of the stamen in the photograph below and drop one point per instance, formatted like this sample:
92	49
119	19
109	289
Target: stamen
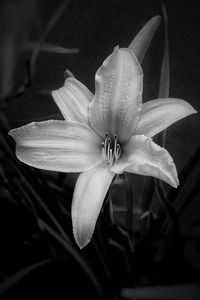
106	140
111	158
111	151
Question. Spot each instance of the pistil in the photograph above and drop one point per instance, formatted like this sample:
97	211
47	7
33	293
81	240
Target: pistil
111	150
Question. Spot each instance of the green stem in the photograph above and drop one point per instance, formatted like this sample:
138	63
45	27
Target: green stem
170	210
129	203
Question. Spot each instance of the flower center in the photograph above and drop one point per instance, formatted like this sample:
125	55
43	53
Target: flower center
111	150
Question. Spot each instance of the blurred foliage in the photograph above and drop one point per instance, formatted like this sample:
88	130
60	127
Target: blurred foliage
137	253
17	19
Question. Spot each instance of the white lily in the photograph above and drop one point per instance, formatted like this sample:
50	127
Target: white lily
102	135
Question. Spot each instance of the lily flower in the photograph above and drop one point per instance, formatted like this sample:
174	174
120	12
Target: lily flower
103	134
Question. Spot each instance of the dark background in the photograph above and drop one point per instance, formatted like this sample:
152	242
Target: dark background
95	27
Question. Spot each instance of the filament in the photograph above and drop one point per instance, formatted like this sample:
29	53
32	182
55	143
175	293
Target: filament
111	150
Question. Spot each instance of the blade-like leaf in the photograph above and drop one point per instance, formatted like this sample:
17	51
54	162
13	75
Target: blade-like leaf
173	292
14	279
185	197
165	73
17	18
168	206
50	25
129	206
31	64
51	48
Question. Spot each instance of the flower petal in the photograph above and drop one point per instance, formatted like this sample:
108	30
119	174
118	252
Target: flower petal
57	146
89	194
158	114
73	100
141	42
142	156
118	95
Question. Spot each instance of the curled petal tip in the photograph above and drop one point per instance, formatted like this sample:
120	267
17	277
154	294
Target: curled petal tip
175	183
173	175
189	108
116	48
73	99
195	111
10	133
142	156
157	17
80	240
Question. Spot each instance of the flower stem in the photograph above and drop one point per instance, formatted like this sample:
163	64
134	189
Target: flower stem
129	203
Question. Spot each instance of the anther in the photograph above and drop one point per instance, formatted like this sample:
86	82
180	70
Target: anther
111	151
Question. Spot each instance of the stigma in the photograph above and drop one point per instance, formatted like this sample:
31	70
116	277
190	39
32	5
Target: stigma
111	150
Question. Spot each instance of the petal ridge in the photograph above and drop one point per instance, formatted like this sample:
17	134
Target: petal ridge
158	114
87	202
73	99
117	102
144	157
57	146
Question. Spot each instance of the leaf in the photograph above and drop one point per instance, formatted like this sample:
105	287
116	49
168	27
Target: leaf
168	207
16	20
129	203
148	191
14	279
51	48
121	249
3	121
56	16
185	198
32	62
189	180
173	292
165	75
165	70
